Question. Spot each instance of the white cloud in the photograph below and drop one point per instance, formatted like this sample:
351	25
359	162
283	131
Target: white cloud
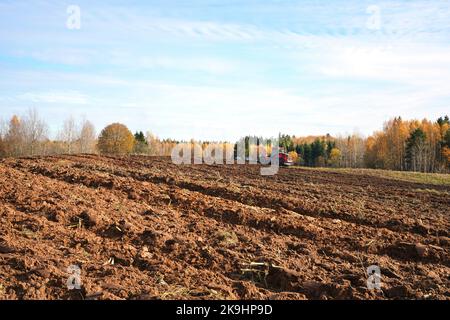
67	56
231	111
68	97
418	70
402	63
202	64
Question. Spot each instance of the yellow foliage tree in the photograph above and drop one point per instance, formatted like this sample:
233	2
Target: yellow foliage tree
294	156
116	139
335	157
446	154
14	139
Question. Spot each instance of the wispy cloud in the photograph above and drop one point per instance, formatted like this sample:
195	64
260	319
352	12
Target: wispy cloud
55	97
223	68
418	65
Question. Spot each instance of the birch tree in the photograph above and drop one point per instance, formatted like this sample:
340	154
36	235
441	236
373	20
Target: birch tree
34	131
87	137
70	134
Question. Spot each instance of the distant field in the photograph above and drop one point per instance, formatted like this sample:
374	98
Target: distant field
144	228
418	177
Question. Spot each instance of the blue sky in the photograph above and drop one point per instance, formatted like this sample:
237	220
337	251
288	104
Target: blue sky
223	69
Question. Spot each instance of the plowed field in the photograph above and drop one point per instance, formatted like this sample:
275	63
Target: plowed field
144	228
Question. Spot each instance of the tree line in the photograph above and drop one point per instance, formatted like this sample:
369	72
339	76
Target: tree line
411	145
403	145
28	135
326	151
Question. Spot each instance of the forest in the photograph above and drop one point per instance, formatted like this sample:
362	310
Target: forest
403	145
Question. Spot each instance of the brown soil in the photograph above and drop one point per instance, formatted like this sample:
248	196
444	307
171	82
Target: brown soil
143	228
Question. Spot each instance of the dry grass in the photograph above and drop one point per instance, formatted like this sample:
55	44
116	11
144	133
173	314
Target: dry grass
417	177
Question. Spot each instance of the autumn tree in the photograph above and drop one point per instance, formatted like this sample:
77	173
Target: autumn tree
408	145
14	138
335	157
294	157
87	137
116	139
446	139
154	144
352	148
27	136
70	134
370	156
444	145
34	132
446	154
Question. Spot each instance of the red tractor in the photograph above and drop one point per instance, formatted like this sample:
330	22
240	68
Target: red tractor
284	159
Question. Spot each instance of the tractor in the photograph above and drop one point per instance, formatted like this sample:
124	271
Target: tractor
284	159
